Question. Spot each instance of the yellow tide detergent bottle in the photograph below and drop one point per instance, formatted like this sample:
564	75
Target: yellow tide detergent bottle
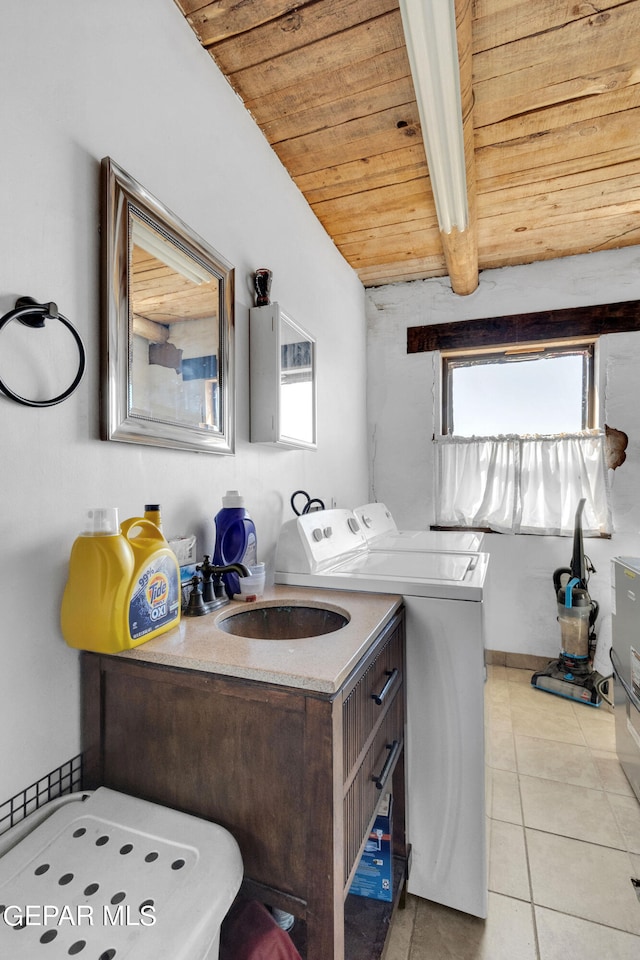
123	586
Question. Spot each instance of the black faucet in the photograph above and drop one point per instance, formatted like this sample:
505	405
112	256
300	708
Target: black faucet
207	592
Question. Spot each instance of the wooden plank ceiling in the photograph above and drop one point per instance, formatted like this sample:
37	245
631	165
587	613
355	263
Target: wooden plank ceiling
553	158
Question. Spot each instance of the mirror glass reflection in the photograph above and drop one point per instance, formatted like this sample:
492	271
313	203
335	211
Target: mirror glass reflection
175	342
297	392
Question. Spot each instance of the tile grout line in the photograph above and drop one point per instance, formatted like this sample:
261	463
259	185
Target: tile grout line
596	923
413	927
526	844
616	820
406	954
602	789
610	805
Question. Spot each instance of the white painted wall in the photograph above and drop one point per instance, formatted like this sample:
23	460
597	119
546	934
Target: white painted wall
402	417
128	79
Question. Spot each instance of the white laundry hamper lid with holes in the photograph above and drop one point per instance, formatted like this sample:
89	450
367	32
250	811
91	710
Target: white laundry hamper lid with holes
94	864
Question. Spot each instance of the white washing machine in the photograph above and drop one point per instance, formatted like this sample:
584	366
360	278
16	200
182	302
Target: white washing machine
382	533
443	595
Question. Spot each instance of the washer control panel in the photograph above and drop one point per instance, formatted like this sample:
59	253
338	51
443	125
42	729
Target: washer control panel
376	519
319	540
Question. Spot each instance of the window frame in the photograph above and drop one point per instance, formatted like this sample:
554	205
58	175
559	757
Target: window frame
588	346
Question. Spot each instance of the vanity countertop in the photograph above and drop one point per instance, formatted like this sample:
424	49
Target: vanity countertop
316	663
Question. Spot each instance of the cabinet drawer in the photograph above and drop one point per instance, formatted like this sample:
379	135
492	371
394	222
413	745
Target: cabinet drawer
370	697
372	780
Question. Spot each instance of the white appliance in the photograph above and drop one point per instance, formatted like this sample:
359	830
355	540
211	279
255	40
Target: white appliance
625	658
445	689
382	533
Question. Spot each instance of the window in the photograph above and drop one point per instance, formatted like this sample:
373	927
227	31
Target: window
534	390
519	445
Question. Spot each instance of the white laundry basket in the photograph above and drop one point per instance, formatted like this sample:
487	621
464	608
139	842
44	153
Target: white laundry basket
117	878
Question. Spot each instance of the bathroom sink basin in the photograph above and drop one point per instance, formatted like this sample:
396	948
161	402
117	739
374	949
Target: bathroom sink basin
283	622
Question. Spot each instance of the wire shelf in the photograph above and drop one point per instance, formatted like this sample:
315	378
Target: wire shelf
66	778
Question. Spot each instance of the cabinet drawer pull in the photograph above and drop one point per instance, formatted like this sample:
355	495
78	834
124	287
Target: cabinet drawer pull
381	779
392	676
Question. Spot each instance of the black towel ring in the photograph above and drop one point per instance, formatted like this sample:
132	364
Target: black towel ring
33	314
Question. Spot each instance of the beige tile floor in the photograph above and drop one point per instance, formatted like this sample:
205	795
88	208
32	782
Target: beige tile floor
564	841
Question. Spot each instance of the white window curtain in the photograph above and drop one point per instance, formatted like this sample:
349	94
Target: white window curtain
523	484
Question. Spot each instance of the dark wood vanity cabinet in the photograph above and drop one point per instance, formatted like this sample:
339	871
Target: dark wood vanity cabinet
294	775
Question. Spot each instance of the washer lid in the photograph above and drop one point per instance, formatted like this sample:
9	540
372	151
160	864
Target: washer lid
382	533
438	576
432	541
452	567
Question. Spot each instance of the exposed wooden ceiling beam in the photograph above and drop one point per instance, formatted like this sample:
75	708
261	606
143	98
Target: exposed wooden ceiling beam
526	328
439	47
460	247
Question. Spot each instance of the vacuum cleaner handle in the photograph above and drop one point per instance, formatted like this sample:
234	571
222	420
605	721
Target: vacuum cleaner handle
577	569
557	578
577	560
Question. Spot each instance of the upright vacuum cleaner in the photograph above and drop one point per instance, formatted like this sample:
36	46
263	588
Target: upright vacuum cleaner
572	675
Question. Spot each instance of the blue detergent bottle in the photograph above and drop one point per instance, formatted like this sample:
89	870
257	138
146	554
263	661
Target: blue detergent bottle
235	539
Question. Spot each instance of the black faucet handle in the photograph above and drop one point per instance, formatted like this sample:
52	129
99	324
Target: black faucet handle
196	606
217	585
206	568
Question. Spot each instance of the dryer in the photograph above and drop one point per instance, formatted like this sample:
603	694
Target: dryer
382	533
443	597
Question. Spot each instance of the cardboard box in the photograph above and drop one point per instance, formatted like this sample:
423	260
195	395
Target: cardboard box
374	876
184	549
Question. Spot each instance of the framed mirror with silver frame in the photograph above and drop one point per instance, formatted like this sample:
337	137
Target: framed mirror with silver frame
167	326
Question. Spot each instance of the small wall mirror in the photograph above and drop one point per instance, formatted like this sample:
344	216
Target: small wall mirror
168	325
283	379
